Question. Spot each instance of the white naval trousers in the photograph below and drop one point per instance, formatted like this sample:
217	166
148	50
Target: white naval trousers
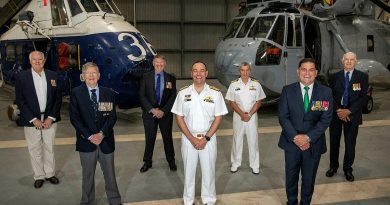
207	158
241	128
40	145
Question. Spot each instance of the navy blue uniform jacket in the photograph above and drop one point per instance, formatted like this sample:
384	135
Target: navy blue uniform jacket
295	121
82	118
27	100
357	91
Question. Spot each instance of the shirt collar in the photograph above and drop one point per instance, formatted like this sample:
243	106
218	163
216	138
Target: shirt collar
303	86
90	88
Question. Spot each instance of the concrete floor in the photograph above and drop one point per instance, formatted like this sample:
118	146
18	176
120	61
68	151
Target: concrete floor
161	186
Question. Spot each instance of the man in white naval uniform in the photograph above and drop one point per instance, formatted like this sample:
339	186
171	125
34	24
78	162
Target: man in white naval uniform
245	95
199	109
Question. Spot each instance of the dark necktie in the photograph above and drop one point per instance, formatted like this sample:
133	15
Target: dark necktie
306	98
158	87
346	86
94	102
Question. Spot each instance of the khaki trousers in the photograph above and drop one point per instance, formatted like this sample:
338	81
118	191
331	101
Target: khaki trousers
40	145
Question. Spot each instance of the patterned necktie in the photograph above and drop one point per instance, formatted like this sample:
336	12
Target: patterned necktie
94	102
346	85
158	87
306	98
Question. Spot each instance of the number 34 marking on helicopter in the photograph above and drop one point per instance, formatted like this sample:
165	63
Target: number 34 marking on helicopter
137	44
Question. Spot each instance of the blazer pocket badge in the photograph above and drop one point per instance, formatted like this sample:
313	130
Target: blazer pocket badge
356	87
105	106
53	83
320	105
169	85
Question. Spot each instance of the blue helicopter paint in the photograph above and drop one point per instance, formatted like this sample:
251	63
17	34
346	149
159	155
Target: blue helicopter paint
115	53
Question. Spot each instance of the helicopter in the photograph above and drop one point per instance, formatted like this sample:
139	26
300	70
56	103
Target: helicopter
71	33
273	36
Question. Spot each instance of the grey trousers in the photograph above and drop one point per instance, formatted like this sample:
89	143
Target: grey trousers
88	163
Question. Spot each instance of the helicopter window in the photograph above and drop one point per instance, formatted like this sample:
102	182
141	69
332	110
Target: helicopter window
19	54
58	13
114	7
89	5
277	34
232	30
261	27
294	35
74	7
370	43
245	27
268	54
10	53
105	6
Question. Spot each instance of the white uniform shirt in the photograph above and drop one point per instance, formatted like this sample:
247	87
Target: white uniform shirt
199	110
40	85
245	95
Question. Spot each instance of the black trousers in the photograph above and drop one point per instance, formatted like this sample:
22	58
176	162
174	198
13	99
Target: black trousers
150	125
303	162
350	134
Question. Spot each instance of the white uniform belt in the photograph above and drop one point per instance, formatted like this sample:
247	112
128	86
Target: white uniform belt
199	135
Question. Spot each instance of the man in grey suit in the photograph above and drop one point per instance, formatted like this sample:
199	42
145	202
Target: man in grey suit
92	113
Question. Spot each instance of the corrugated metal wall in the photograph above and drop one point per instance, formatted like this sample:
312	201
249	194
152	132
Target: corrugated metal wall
182	30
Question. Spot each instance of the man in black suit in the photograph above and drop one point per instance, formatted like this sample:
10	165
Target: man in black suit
39	100
349	88
157	95
92	113
305	112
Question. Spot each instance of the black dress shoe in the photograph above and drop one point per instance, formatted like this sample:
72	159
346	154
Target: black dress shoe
145	167
38	183
53	180
172	166
331	172
349	176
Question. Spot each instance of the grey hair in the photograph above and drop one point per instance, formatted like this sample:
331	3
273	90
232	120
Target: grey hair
245	64
40	52
89	65
354	54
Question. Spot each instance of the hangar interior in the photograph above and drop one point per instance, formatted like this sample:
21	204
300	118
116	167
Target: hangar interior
182	30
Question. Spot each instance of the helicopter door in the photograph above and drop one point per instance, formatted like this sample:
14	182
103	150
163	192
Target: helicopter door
295	50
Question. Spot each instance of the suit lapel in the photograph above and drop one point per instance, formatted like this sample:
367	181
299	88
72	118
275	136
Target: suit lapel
34	95
49	89
298	94
88	101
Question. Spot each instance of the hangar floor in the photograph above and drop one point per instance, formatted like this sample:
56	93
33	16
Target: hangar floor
161	186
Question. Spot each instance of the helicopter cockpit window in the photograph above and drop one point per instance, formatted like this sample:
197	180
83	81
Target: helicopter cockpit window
89	5
232	30
105	6
74	7
268	54
58	13
277	34
245	27
261	27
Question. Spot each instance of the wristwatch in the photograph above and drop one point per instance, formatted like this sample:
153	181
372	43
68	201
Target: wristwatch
207	138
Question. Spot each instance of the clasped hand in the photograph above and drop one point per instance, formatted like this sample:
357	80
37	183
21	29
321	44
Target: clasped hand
96	138
46	124
343	114
157	113
302	141
198	143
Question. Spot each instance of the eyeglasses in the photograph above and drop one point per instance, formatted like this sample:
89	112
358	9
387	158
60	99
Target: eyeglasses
91	73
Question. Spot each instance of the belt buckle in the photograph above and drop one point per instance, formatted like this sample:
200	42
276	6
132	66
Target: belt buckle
199	136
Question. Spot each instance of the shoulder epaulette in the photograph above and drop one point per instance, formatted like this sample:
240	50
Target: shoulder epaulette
214	88
255	80
184	87
233	81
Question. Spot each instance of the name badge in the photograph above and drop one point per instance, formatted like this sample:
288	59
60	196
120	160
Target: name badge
105	106
320	105
237	89
356	87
